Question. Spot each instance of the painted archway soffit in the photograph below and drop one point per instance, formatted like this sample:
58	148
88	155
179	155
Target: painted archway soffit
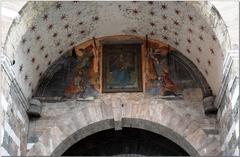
46	30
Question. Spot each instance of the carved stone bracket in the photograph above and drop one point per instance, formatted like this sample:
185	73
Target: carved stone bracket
208	104
35	108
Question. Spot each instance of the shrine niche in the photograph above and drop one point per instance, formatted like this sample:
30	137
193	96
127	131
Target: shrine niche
122	68
120	64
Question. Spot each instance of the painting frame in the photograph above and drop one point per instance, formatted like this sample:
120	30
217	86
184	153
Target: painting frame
111	50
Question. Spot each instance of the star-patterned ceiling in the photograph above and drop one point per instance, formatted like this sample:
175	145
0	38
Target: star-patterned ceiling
46	30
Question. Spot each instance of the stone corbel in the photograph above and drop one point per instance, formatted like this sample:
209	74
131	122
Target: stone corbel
35	108
208	104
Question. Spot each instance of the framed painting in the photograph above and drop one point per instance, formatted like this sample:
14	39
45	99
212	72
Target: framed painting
121	64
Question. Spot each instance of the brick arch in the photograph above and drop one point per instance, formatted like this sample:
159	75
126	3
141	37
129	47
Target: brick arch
117	112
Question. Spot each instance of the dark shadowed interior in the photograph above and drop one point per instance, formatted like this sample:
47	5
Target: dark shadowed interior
128	141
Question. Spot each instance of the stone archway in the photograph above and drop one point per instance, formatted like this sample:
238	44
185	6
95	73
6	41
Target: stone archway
128	141
81	119
128	123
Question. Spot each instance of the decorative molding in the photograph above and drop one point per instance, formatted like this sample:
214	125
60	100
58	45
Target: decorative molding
195	73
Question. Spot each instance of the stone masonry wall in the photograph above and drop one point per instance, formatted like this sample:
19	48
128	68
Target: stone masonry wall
228	104
61	120
13	118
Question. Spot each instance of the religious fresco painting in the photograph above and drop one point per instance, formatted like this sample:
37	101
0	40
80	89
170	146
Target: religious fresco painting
80	84
158	73
122	68
128	66
161	65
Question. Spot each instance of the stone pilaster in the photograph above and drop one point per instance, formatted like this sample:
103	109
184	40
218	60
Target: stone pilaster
228	106
13	118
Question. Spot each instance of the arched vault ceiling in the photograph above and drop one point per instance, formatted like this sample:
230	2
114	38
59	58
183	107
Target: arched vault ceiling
46	30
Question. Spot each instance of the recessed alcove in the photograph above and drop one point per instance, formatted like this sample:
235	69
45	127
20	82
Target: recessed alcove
128	141
56	81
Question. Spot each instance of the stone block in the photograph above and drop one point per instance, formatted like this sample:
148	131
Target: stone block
176	123
33	139
87	114
166	115
107	111
79	119
35	108
76	120
197	138
35	102
191	128
212	149
118	125
37	148
126	110
209	106
9	144
192	94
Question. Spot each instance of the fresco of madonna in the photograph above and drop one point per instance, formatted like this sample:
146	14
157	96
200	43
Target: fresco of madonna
121	68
